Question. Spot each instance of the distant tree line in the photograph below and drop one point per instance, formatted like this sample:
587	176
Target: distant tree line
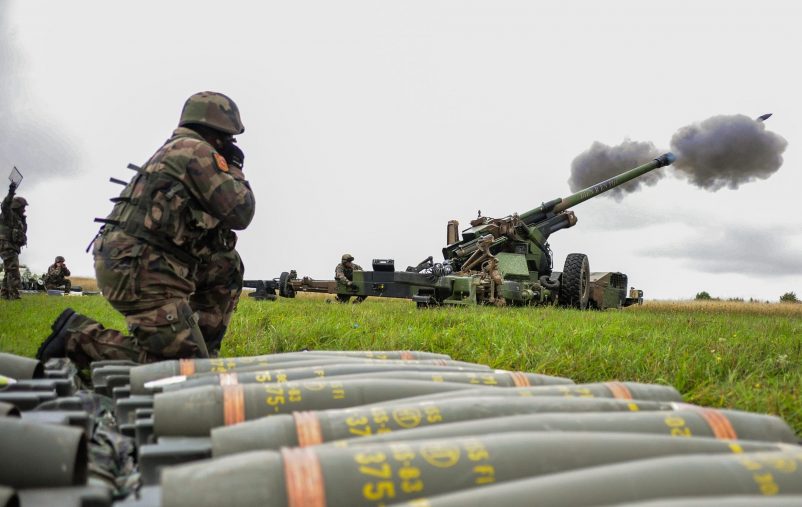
788	297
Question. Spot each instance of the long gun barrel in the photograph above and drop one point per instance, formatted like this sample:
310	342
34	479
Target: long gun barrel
546	218
541	212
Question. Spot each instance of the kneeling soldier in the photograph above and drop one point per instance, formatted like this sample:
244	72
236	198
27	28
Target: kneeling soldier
56	276
154	251
344	272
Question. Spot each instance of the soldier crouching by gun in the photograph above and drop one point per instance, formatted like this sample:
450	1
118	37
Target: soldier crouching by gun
155	248
344	273
56	276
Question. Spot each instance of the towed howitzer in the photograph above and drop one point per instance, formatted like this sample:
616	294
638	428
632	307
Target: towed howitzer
498	261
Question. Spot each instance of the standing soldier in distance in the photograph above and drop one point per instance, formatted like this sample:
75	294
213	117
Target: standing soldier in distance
161	240
56	276
13	236
344	273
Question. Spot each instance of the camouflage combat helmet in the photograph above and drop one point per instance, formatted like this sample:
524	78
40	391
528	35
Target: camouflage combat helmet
213	110
18	202
347	257
59	258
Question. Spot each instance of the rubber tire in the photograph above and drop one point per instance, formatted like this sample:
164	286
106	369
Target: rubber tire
575	286
285	290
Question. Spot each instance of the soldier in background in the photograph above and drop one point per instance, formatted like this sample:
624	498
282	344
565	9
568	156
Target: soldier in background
344	272
13	236
56	276
166	238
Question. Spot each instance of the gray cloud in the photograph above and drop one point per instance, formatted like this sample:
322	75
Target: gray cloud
746	250
39	148
600	162
727	151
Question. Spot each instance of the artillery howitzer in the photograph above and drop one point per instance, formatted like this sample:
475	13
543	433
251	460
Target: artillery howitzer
498	261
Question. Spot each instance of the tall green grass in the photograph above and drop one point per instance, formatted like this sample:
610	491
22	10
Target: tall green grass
731	355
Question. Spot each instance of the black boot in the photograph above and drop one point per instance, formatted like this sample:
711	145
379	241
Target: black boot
55	345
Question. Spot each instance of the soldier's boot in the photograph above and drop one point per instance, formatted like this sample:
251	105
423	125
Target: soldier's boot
55	345
213	345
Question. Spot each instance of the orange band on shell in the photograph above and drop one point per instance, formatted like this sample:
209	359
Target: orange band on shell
228	379
307	427
186	367
718	422
520	379
619	390
304	478
407	355
233	404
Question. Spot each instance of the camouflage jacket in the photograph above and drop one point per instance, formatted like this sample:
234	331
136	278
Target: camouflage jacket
183	195
56	273
343	274
13	226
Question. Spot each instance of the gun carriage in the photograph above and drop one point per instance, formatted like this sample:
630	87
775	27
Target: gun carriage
498	261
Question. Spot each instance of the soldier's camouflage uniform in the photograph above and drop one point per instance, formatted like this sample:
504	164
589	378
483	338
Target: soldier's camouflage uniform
56	278
218	285
13	230
158	247
344	274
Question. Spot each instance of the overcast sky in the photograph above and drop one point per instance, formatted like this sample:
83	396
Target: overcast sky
370	124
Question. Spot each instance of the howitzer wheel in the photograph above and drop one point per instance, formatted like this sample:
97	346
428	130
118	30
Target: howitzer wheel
285	290
575	286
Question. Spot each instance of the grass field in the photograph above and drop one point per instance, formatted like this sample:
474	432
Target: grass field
730	355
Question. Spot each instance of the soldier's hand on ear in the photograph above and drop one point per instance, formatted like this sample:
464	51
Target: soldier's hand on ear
233	154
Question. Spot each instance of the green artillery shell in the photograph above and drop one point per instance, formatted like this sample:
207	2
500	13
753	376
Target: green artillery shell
722	501
8	498
187	372
256	478
41	455
320	371
760	474
189	367
79	496
8	410
18	367
194	412
495	378
619	390
312	428
380	474
695	422
384	354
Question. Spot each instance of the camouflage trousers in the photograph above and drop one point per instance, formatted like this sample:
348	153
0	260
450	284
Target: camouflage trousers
11	277
59	283
218	285
157	295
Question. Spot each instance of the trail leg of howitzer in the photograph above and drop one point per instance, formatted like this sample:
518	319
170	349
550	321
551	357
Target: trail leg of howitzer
357	428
